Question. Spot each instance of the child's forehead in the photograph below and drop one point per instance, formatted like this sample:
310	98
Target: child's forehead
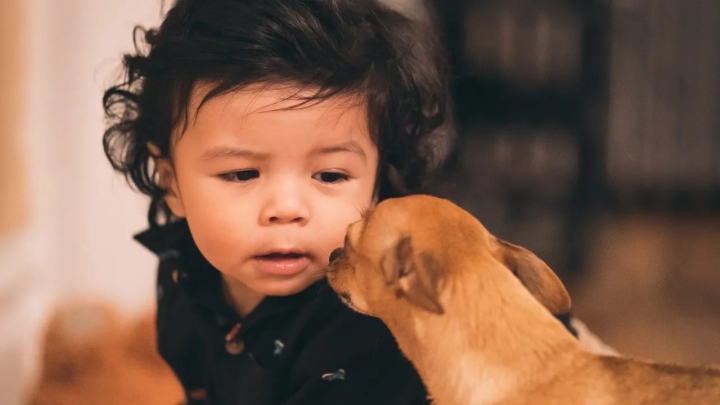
264	102
263	98
259	115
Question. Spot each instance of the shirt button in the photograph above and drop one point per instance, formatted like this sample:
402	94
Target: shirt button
199	394
177	275
337	375
233	344
279	347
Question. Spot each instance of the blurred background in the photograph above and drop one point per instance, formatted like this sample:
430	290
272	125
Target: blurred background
589	132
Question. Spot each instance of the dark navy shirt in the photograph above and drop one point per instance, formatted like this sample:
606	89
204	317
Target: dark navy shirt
307	348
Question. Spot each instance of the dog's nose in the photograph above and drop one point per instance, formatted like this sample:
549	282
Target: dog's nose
335	254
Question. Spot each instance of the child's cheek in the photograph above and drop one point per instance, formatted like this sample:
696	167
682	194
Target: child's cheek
341	218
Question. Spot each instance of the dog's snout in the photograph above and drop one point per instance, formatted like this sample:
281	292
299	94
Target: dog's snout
335	254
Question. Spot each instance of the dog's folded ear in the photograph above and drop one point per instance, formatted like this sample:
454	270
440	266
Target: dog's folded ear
414	275
536	276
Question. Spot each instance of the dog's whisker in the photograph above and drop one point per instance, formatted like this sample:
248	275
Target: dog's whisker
326	271
321	290
325	254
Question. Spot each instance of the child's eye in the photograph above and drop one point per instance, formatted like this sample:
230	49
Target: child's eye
331	177
240	176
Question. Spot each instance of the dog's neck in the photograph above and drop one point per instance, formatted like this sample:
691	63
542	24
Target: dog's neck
494	340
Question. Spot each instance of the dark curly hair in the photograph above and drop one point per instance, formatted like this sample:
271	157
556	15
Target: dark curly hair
334	47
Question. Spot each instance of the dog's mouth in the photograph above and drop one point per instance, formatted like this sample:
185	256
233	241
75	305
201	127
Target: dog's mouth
345	298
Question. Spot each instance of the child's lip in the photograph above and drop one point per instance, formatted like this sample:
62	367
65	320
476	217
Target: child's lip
282	264
282	254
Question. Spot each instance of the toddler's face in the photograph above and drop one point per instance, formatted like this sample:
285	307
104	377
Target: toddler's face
268	192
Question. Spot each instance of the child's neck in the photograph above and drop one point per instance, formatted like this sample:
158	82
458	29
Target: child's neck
239	296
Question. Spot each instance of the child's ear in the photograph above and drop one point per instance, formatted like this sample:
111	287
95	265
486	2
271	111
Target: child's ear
165	174
414	275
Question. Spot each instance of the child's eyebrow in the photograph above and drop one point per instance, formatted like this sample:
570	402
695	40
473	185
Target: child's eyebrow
346	147
230	152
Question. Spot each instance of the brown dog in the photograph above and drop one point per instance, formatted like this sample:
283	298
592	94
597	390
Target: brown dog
473	314
93	356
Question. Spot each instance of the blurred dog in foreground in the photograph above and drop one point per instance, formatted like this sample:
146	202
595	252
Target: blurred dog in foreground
474	315
93	356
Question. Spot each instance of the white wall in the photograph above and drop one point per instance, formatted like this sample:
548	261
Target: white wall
78	242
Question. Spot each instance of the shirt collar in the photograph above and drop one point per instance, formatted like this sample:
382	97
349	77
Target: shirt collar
165	238
203	283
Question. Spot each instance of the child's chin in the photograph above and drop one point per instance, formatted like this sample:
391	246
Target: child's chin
287	287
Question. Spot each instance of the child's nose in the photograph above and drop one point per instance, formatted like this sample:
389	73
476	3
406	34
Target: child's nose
286	219
284	210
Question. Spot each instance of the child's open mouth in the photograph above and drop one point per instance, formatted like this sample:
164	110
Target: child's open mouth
282	264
